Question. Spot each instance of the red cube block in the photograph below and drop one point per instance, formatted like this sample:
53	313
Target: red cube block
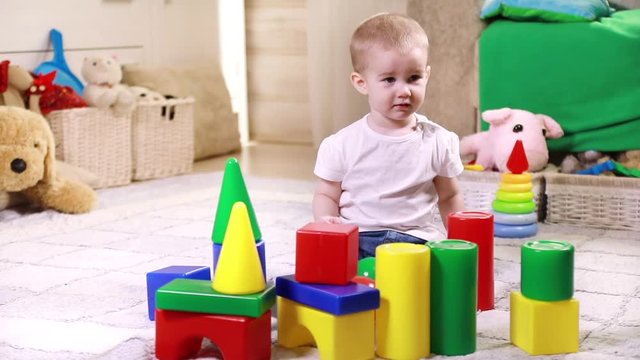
327	253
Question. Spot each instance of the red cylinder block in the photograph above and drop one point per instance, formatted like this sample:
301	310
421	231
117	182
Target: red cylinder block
477	227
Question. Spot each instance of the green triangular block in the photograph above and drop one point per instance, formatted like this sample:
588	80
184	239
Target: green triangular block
233	189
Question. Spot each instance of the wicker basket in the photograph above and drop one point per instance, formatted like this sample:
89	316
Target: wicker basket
95	140
162	138
594	201
479	190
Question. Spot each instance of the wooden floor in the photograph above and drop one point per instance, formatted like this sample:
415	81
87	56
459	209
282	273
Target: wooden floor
269	160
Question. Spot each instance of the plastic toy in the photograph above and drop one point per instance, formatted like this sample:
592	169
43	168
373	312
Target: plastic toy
402	322
477	227
454	285
514	198
260	246
179	335
233	189
161	277
544	316
367	267
239	270
326	253
344	337
64	76
334	299
492	148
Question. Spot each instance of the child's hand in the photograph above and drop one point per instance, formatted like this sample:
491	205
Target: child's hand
330	220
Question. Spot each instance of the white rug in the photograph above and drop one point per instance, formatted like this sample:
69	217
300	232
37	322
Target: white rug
73	287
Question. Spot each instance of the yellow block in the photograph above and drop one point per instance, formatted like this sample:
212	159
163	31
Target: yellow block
510	178
403	276
239	270
338	337
544	327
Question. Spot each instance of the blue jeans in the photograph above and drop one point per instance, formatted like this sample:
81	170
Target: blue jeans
369	240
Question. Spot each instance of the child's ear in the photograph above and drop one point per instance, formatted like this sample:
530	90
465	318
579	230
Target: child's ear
358	82
427	73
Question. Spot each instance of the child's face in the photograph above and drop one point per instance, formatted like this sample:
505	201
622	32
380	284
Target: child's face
394	81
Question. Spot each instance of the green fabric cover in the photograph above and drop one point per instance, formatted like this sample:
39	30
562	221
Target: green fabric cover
546	10
584	75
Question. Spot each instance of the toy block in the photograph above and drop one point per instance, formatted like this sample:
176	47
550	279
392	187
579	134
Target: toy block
239	270
544	327
334	299
198	296
454	284
337	337
402	321
179	335
233	189
367	267
363	280
161	277
547	270
327	253
217	249
477	227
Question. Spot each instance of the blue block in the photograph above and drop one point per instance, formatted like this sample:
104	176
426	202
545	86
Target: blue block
217	248
159	278
334	299
515	231
515	219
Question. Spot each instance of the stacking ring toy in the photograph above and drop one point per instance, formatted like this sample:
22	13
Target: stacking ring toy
515	187
516	178
514	208
515	219
514	196
515	231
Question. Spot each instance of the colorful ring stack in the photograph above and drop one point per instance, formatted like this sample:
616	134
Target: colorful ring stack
514	208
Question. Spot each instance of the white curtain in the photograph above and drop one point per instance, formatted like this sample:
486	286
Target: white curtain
334	103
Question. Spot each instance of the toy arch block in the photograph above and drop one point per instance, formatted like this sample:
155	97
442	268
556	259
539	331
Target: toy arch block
346	337
158	278
327	253
544	327
179	335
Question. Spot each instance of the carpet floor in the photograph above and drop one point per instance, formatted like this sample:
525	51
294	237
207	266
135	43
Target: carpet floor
73	287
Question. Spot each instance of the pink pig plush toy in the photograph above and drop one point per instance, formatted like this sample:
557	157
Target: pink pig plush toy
492	148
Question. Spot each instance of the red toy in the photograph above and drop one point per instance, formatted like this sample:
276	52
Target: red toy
477	227
47	96
518	162
327	253
179	335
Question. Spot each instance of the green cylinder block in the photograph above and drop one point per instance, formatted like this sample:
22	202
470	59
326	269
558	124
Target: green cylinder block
367	267
547	270
454	289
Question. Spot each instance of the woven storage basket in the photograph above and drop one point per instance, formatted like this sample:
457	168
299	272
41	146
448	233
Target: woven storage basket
595	201
162	138
479	190
95	140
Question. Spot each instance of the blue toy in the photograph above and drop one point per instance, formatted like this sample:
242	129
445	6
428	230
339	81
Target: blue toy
515	231
334	299
158	278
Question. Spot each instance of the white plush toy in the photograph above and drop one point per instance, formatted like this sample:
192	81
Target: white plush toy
103	90
143	94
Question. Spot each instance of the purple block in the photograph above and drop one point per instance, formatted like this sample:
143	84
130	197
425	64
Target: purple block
334	299
159	278
217	248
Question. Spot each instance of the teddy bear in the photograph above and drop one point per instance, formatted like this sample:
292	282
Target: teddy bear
104	90
14	82
27	164
492	148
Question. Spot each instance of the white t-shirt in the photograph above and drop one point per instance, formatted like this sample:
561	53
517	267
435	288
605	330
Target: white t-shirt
387	181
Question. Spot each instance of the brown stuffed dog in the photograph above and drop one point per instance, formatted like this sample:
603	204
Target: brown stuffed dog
27	164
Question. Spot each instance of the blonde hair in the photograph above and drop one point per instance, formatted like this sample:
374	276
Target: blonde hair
391	31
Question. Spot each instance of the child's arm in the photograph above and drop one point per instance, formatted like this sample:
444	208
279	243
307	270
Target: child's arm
449	196
325	202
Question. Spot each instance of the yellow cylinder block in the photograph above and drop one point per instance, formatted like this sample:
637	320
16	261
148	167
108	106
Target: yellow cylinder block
402	321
